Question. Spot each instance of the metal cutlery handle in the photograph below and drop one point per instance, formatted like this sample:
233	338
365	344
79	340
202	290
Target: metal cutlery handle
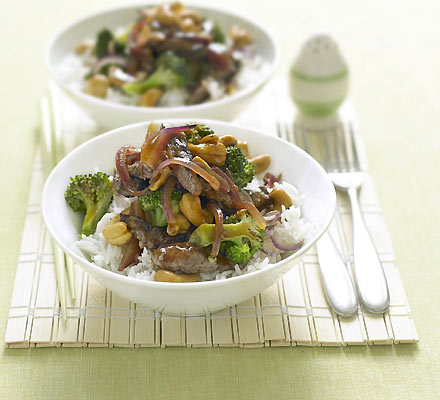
335	278
368	271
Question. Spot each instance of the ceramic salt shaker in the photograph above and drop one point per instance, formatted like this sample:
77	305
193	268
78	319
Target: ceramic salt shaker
319	77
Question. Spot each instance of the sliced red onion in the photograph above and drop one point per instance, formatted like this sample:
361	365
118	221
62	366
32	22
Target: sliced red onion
272	218
240	204
121	160
166	200
215	184
131	253
218	230
138	193
283	247
268	232
215	171
152	152
224	179
135	31
269	180
132	158
110	60
136	210
268	252
121	163
261	222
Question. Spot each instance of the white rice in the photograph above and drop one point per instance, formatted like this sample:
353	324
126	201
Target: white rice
73	68
292	228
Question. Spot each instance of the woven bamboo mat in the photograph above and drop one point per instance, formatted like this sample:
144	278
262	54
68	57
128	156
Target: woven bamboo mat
292	312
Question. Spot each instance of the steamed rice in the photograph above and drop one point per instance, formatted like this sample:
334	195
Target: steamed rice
292	228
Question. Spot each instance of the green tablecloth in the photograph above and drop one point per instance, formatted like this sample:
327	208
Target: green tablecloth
393	50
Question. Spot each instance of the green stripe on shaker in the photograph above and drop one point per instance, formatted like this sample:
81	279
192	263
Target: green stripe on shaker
318	109
323	79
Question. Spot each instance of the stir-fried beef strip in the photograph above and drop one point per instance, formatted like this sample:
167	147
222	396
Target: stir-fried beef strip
219	195
260	198
186	258
140	170
185	44
135	184
150	236
178	147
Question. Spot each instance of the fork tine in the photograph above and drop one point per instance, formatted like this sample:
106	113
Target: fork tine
354	151
305	139
290	130
295	134
280	130
327	151
334	155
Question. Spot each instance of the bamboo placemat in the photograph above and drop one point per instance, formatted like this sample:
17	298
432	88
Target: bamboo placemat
292	312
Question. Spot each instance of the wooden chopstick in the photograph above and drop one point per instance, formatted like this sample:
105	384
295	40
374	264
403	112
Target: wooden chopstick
49	161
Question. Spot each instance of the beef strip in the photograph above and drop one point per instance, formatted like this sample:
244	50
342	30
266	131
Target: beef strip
260	199
220	195
150	236
186	44
178	147
185	257
223	66
140	170
135	184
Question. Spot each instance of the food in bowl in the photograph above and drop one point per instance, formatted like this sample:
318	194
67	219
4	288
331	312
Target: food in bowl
171	56
187	206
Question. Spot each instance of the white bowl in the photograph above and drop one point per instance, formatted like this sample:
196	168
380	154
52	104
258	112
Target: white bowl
112	115
296	166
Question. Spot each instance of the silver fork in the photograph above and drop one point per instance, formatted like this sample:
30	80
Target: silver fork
337	284
343	166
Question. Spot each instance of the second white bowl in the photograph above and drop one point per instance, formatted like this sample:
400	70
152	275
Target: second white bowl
112	115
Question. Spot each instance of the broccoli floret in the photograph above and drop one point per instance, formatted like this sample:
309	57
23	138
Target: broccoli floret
171	72
241	237
152	202
91	194
238	253
237	163
200	131
218	35
103	39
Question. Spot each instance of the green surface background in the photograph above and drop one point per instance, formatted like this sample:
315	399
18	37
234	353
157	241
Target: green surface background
394	53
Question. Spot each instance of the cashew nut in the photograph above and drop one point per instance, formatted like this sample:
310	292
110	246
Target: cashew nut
150	97
212	138
163	176
228	140
280	198
162	275
260	162
83	47
117	233
180	226
214	154
239	36
244	148
97	86
191	208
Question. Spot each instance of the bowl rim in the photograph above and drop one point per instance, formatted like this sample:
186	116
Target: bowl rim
189	285
242	93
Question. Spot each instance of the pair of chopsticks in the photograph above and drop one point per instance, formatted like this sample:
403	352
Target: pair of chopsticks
52	151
